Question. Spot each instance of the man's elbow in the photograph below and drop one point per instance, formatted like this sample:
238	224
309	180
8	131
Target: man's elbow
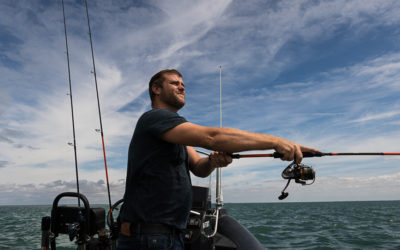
209	143
210	140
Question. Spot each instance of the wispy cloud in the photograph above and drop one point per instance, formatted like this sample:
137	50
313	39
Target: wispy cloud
381	116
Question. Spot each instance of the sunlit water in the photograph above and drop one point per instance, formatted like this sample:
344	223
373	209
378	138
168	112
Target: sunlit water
319	225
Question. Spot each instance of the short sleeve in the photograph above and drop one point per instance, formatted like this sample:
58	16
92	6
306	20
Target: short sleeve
158	121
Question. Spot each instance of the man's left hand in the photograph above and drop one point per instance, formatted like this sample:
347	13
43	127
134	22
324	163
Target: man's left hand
219	159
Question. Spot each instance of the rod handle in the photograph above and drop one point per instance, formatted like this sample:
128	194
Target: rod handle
276	155
305	154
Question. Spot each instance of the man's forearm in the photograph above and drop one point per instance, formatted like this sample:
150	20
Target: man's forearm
232	140
219	139
235	140
203	167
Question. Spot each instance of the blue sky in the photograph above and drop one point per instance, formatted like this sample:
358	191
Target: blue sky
321	73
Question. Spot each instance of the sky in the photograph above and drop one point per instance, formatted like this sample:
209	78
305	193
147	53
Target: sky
324	74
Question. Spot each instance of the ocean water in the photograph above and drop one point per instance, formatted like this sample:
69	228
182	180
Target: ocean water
317	225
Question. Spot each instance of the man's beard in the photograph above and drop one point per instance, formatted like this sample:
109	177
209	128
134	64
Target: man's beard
174	101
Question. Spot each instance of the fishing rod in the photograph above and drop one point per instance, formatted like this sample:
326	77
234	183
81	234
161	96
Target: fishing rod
80	223
219	197
219	200
98	106
72	106
305	154
299	172
310	154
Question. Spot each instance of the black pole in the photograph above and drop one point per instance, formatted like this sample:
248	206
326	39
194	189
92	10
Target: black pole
72	106
98	105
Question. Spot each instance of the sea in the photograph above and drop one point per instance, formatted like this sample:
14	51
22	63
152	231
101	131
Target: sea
308	225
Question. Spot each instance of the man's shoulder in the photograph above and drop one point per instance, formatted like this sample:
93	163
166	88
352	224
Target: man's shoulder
157	121
158	114
159	117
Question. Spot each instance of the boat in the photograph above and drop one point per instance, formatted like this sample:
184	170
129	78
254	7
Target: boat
207	228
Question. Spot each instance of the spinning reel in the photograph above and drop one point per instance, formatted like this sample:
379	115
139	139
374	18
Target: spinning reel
300	173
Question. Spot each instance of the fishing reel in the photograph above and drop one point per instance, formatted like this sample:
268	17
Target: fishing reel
300	173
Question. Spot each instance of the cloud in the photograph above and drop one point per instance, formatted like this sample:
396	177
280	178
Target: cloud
248	189
377	116
5	139
331	188
3	164
95	191
116	90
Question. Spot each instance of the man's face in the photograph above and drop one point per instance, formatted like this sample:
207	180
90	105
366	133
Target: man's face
173	91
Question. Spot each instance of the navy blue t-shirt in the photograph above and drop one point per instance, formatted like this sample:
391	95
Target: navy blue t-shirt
158	186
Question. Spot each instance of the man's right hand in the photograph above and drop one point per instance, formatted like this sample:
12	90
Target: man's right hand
292	151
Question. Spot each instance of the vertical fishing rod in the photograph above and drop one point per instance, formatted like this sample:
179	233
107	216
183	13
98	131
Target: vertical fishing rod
219	198
218	195
72	106
98	105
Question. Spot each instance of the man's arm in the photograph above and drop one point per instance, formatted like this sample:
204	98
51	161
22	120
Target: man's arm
232	140
203	166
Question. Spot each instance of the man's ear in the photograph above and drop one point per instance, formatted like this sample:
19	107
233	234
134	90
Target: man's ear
156	90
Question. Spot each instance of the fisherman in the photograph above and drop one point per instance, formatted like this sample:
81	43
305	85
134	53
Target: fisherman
158	192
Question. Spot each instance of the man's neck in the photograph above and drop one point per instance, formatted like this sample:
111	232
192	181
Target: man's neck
163	106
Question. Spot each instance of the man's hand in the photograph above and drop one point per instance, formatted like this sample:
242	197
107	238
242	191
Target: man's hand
292	151
203	166
219	159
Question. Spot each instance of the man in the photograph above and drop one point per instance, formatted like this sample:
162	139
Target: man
158	194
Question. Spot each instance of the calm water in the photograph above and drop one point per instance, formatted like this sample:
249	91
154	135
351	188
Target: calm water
320	225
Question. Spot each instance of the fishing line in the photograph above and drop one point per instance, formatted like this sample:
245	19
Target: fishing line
72	106
98	105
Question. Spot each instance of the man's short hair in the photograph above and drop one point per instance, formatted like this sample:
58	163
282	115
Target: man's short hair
159	78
